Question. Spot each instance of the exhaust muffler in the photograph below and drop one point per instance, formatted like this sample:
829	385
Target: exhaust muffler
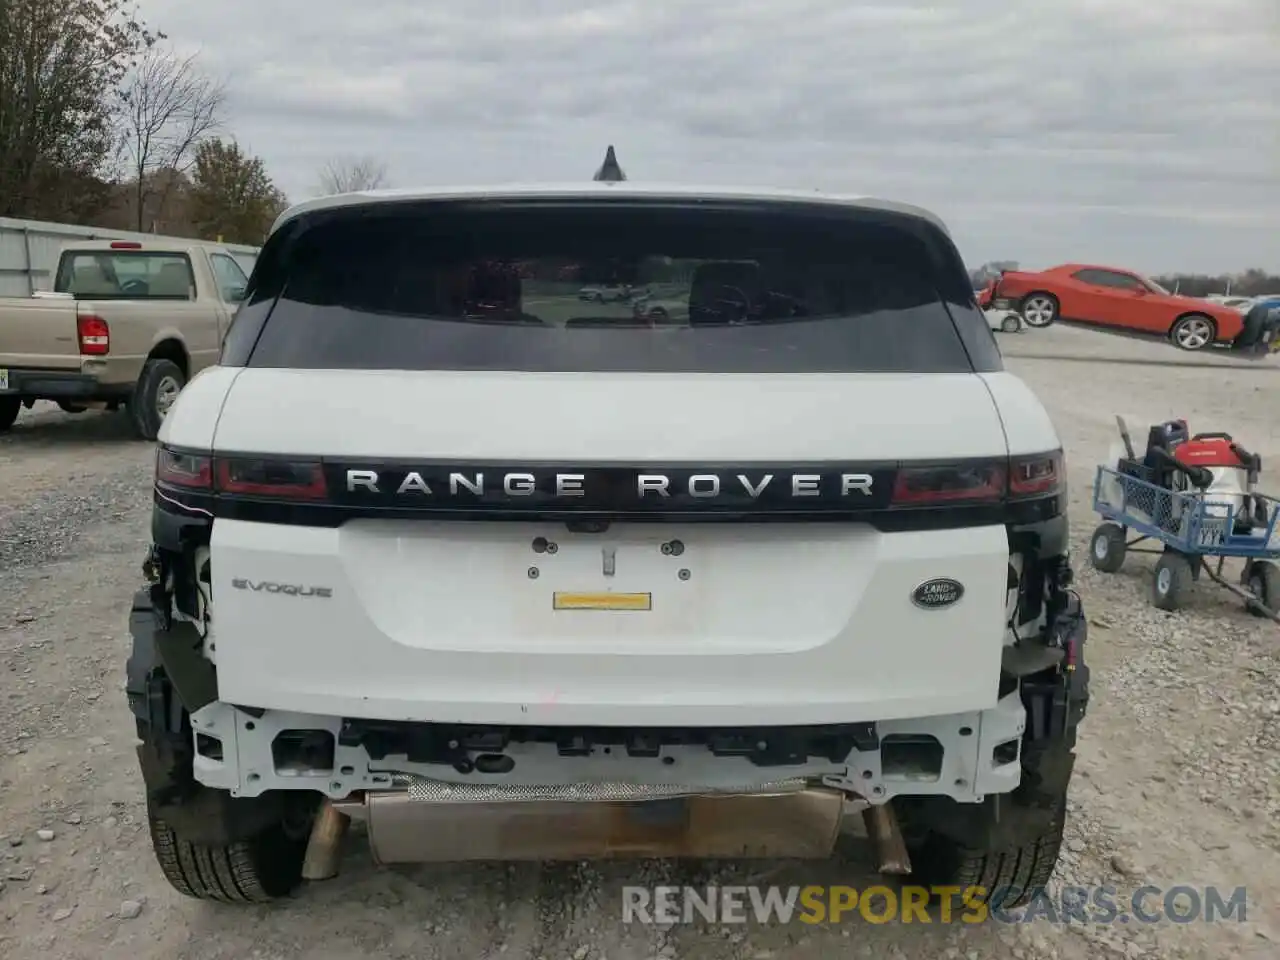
447	823
802	824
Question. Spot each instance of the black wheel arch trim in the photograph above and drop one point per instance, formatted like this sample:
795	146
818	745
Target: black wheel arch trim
166	673
167	679
1001	822
1056	700
199	815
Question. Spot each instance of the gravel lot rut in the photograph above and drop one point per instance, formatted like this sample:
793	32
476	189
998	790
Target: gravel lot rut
1179	772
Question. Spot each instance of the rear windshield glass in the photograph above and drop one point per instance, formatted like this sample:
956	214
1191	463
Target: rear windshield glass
113	275
606	288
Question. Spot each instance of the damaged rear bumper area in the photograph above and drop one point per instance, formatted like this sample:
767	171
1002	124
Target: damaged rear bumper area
964	756
431	791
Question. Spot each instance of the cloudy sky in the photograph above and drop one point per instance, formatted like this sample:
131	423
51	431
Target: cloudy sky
1143	133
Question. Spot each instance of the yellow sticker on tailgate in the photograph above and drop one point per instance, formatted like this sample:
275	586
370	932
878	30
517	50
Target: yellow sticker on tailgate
601	601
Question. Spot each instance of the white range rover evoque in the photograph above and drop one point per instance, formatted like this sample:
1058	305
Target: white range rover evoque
442	548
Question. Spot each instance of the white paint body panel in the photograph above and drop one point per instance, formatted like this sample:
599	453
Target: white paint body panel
777	623
193	418
1027	425
664	418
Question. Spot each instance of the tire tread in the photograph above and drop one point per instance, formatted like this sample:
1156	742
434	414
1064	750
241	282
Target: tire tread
225	874
1008	876
1019	873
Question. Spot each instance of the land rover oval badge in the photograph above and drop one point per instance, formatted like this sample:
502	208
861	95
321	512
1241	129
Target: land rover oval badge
937	593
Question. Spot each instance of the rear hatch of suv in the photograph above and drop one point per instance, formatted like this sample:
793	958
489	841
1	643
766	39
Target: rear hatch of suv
449	489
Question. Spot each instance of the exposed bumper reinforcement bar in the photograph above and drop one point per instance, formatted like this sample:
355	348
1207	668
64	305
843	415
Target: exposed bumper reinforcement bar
964	756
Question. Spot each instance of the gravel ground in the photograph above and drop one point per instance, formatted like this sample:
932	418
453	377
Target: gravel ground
1179	771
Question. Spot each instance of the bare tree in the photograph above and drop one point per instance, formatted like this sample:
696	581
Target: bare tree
352	174
168	106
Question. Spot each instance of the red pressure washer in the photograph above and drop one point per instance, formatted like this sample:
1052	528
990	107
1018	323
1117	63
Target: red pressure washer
1234	477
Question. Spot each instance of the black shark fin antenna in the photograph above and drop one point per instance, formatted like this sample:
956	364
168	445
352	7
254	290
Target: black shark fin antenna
609	171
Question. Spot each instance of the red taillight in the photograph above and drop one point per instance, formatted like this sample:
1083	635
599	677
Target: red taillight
95	336
950	483
270	478
980	481
125	245
1035	476
176	469
245	476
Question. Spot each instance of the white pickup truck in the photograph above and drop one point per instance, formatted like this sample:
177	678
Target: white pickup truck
127	323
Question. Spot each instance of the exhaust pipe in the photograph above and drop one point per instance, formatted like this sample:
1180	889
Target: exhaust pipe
887	843
324	848
797	824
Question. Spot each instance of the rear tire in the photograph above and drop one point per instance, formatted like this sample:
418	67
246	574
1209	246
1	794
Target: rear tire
1039	309
9	407
259	870
1171	582
1009	878
157	387
68	407
1107	548
1010	324
1015	861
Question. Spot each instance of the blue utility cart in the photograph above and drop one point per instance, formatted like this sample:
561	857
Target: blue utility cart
1192	527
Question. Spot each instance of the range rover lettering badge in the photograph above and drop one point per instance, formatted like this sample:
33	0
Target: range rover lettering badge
284	589
937	593
647	486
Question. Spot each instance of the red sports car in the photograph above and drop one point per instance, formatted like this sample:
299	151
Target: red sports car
1113	298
